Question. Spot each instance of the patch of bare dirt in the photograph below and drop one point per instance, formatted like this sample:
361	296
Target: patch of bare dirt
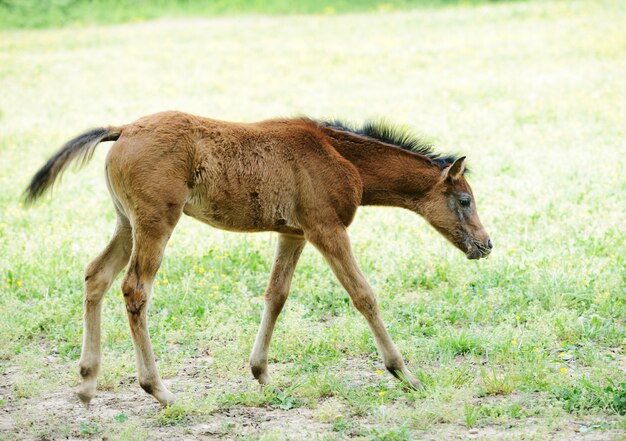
131	413
59	414
529	429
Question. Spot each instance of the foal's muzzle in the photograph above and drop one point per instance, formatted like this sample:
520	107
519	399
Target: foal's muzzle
479	249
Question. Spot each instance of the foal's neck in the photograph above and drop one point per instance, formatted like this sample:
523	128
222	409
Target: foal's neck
391	176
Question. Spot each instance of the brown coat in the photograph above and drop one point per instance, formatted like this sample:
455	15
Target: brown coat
298	177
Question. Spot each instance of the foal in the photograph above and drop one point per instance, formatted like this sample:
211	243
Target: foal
301	178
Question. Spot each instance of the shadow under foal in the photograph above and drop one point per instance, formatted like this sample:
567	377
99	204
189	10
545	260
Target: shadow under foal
301	178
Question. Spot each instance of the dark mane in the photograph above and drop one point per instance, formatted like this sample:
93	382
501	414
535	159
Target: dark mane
394	135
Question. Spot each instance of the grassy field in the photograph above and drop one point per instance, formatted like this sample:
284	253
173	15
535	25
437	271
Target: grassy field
528	344
54	13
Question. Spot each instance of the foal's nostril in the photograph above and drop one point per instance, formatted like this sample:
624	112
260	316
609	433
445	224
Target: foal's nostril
489	244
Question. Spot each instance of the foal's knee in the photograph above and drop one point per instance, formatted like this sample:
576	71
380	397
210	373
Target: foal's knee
134	295
365	303
275	299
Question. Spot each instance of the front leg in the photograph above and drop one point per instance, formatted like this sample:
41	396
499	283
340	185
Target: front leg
334	245
288	251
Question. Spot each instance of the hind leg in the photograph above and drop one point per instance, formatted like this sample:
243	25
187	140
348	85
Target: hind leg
99	275
151	231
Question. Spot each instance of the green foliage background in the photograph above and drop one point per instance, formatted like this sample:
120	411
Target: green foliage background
53	13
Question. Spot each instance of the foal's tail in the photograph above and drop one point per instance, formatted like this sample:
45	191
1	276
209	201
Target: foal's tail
81	147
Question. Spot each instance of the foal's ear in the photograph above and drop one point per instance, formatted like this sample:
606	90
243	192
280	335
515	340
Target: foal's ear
456	170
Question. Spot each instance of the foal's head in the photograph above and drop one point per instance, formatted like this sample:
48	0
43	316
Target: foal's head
450	207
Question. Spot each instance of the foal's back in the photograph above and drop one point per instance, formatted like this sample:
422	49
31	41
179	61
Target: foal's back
275	175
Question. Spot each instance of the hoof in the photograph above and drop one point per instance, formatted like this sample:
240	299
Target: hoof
166	398
86	391
160	392
416	384
264	379
261	375
408	379
84	399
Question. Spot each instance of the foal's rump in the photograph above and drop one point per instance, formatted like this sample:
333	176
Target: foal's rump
151	154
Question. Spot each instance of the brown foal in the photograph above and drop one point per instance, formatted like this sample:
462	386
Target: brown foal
301	178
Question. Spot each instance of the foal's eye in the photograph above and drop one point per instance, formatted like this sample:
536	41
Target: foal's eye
465	202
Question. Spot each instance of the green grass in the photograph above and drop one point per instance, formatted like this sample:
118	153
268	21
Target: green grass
56	13
530	340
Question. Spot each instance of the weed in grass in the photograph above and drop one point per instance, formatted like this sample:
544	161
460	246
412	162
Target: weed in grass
502	410
227	428
283	400
471	414
389	434
583	395
255	396
460	342
340	425
494	384
462	376
27	388
515	410
174	414
618	392
131	432
252	396
321	385
331	410
88	428
121	417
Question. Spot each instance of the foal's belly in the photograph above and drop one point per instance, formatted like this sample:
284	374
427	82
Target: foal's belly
243	214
